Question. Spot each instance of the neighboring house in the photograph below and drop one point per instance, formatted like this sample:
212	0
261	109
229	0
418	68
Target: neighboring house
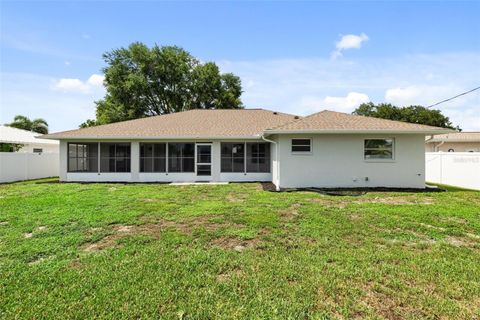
325	149
454	142
28	140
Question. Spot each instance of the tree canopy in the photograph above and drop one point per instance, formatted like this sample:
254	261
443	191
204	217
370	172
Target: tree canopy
412	114
142	81
38	125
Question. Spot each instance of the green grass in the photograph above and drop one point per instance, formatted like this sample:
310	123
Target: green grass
236	252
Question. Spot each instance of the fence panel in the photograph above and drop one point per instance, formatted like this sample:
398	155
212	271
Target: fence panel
15	166
460	169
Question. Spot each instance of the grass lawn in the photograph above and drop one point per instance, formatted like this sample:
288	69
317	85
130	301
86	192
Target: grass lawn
235	252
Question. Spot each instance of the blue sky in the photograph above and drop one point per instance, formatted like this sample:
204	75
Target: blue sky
297	57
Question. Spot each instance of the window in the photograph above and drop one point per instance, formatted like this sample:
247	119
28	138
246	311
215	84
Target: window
302	145
181	157
153	157
37	150
233	157
115	157
378	149
82	157
258	157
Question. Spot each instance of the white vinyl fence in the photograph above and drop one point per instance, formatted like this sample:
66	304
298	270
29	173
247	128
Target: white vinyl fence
15	166
460	169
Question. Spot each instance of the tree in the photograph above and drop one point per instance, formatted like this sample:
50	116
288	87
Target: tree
412	114
143	81
38	125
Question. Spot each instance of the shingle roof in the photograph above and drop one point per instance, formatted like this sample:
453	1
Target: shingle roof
241	123
337	122
199	123
471	136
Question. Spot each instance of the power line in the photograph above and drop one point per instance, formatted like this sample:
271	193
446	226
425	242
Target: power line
458	95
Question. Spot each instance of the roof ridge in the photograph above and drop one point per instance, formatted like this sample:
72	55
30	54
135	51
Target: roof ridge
299	119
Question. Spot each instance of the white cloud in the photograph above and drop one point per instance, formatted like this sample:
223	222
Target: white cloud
347	103
31	95
96	80
303	86
72	85
79	86
85	36
349	41
402	95
298	86
68	63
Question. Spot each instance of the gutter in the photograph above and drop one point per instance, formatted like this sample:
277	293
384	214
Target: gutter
352	131
277	187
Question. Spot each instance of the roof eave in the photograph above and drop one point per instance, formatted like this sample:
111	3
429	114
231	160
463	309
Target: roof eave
360	131
453	140
78	138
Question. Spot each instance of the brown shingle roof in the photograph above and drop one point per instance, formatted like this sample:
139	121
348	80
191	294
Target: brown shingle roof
471	136
200	123
337	122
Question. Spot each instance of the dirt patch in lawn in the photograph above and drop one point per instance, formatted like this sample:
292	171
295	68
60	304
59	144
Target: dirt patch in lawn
429	226
236	197
379	300
229	274
324	201
400	200
155	229
460	242
237	244
290	213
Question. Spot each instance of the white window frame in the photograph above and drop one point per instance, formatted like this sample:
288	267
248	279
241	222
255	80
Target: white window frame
378	159
302	152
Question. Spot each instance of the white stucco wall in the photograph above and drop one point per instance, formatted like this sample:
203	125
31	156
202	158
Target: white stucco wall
338	161
136	176
46	148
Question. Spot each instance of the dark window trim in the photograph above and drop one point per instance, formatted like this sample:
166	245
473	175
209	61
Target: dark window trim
129	158
232	157
182	157
246	157
153	157
269	157
84	143
309	145
392	159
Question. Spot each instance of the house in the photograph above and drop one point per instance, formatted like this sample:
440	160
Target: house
325	149
29	141
454	142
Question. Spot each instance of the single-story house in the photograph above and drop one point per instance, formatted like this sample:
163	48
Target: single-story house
454	142
325	149
31	142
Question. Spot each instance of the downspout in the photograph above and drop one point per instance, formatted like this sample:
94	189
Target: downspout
277	187
438	146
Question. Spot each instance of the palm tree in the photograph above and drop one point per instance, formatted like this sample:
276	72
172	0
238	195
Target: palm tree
38	125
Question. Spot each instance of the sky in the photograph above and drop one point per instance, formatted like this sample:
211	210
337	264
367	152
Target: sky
296	57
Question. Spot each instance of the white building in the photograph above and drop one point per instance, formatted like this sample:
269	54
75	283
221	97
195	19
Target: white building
326	149
465	141
28	139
